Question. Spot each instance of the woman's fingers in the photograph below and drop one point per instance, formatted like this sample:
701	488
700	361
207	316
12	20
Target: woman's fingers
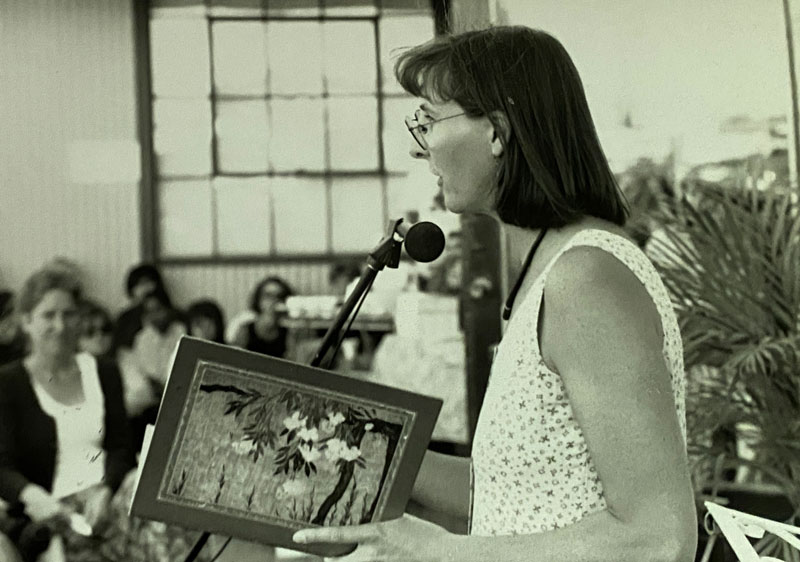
337	535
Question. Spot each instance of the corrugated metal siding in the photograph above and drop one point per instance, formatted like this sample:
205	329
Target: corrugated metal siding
67	77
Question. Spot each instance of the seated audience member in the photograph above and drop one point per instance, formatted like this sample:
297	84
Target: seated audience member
142	280
64	441
12	340
341	276
263	334
96	335
145	363
206	321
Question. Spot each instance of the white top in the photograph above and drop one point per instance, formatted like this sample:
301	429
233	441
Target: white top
532	470
80	429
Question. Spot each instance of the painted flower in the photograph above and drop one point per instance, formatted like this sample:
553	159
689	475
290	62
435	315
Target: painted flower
338	449
351	453
294	422
306	434
335	418
310	454
369	426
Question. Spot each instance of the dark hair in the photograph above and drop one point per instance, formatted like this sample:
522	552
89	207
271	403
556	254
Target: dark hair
91	310
553	170
6	303
160	294
208	309
143	271
286	291
44	281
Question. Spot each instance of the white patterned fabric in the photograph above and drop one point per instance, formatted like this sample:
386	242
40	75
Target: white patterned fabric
532	470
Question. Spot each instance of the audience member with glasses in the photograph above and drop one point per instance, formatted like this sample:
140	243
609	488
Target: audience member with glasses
579	452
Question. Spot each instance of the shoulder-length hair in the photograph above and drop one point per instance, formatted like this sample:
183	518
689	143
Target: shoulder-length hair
553	170
42	282
255	297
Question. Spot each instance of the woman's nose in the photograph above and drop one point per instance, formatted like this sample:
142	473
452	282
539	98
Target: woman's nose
417	151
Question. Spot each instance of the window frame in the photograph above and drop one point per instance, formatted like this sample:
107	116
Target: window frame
150	235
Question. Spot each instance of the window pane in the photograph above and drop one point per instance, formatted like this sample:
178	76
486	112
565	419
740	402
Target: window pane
295	57
413	192
397	141
351	8
350	65
243	215
357	213
293	8
353	131
182	137
242	136
397	34
240	57
179	57
297	141
186	218
301	220
405	7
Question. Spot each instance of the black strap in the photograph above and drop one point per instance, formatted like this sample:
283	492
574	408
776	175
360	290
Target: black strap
521	277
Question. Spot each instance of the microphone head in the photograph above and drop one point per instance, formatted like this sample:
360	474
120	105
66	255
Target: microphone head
424	242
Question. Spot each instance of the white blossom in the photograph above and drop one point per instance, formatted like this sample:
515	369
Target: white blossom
294	487
310	454
308	434
294	422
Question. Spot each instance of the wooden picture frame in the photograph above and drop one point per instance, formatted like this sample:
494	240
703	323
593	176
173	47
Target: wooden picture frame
257	447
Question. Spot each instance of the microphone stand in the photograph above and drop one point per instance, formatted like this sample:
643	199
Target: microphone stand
386	253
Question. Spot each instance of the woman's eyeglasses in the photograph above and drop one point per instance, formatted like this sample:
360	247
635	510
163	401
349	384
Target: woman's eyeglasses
423	127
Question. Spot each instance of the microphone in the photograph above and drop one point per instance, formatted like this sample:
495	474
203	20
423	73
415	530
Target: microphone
424	241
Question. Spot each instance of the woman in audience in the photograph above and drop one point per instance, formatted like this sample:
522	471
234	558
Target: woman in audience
12	341
97	330
142	280
206	320
264	334
145	362
64	441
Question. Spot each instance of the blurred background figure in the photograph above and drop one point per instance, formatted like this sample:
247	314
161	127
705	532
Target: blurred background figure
263	334
206	320
96	336
145	357
142	280
12	341
64	436
341	275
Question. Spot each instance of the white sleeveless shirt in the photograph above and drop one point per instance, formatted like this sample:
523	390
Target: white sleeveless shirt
80	429
532	470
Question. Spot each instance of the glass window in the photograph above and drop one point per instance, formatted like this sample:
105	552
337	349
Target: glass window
357	214
301	215
240	57
182	137
179	60
186	223
397	34
350	58
244	218
353	127
242	129
271	136
295	57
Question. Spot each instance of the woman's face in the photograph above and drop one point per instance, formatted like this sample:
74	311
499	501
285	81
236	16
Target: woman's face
202	327
270	296
460	154
96	337
53	324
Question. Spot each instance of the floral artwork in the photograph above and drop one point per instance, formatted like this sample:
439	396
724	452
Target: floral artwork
260	447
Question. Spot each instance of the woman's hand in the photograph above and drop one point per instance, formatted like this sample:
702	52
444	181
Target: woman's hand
96	504
40	505
407	539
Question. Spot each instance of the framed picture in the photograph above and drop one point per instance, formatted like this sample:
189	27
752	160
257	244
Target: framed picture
256	447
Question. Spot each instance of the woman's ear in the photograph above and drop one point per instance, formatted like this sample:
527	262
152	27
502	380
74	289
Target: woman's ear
500	131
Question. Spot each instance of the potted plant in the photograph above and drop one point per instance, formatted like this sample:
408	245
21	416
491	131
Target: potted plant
730	257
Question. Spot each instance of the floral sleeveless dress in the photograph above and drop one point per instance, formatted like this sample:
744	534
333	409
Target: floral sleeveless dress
532	470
